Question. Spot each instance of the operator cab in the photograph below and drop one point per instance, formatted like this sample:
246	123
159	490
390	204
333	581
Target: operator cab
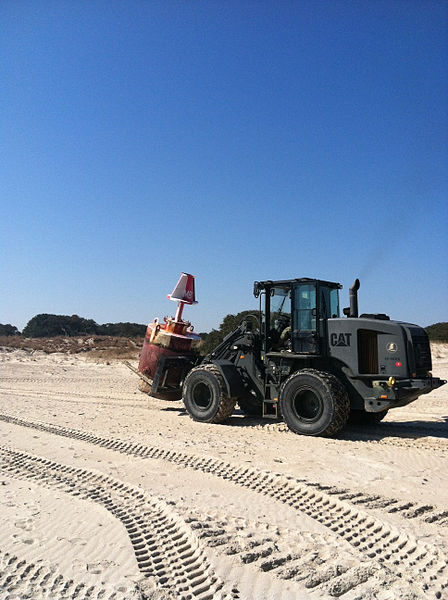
294	313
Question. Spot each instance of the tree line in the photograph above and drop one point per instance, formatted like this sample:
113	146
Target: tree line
48	325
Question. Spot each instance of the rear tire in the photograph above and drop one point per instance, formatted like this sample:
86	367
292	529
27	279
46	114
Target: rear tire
314	403
205	396
361	417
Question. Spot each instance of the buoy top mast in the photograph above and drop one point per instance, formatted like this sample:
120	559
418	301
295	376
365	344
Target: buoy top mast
183	294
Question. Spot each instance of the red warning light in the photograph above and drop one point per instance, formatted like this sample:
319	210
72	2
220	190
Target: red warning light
398	364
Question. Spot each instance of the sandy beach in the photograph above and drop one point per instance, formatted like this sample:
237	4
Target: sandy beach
106	492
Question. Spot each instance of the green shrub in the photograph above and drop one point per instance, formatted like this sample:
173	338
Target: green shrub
46	325
438	332
216	336
8	330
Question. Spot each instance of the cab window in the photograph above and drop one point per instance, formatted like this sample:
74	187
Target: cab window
305	307
280	307
279	324
329	302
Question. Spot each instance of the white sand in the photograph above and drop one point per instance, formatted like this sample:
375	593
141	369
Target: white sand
244	510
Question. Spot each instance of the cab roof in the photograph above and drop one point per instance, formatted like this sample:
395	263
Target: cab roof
282	282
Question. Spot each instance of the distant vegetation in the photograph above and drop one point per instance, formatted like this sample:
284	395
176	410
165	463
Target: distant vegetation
438	332
215	337
47	325
8	330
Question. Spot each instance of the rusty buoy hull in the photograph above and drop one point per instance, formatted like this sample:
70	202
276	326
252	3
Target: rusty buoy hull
159	345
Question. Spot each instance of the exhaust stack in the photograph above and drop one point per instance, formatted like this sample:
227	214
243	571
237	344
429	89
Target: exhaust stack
352	311
353	297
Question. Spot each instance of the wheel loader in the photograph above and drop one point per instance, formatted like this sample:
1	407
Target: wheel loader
296	358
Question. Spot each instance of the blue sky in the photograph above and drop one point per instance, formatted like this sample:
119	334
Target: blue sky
234	140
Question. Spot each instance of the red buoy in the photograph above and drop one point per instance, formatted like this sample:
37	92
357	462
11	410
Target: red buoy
174	338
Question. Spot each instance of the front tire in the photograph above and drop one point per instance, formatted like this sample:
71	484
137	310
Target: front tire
314	403
205	396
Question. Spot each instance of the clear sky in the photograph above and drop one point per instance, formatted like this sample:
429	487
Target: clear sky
235	140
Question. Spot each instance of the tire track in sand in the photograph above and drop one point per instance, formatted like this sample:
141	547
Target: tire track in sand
407	510
164	546
410	560
24	579
316	561
67	397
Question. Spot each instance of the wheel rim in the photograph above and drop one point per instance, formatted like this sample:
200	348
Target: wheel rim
307	406
202	395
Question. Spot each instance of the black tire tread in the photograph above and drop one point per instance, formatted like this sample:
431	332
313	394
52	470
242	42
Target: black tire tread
342	401
226	403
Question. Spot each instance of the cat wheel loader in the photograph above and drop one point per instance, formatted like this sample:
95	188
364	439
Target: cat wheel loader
296	358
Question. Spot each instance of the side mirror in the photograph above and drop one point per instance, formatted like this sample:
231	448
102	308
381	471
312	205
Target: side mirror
256	289
314	312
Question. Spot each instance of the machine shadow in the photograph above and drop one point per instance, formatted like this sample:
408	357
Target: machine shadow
385	429
180	409
403	429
